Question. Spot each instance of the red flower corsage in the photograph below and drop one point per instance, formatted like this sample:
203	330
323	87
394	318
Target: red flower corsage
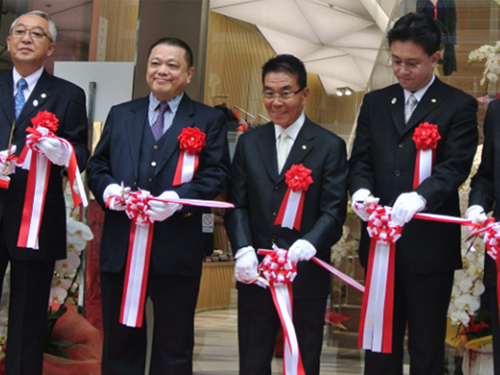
298	178
192	140
426	136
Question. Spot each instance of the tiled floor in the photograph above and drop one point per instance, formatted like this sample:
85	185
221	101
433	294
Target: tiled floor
216	348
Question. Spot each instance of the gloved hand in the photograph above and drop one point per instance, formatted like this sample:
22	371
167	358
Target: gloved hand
245	268
3	157
159	211
301	250
407	205
117	192
359	203
476	215
55	150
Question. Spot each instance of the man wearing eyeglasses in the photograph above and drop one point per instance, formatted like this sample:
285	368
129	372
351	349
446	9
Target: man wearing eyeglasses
24	91
384	165
258	189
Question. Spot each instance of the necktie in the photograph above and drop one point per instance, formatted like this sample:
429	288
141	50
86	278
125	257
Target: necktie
282	150
19	99
410	107
158	125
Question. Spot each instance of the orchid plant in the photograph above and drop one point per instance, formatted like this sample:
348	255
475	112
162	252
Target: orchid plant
492	64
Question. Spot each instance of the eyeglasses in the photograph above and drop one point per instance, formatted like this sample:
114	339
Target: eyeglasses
36	33
400	65
268	95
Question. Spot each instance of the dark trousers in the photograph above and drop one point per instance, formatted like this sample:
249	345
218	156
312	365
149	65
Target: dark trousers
258	324
29	299
420	304
174	301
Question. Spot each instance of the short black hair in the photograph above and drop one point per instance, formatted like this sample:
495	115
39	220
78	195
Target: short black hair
288	64
419	28
175	43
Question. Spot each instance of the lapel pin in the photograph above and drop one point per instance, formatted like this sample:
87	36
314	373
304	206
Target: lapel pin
304	147
433	100
43	95
393	101
35	102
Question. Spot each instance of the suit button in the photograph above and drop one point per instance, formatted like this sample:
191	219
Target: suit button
153	164
401	145
277	187
275	213
397	173
134	184
155	147
273	239
150	180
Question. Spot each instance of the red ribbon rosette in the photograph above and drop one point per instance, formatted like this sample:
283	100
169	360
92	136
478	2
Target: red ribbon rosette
280	272
378	300
298	178
425	137
191	142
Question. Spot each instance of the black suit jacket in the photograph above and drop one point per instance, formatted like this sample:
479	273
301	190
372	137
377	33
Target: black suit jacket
485	185
178	243
257	190
67	102
383	161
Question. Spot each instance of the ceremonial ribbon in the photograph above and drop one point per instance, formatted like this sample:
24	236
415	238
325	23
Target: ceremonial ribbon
31	159
425	137
139	250
298	178
280	272
10	163
191	142
375	331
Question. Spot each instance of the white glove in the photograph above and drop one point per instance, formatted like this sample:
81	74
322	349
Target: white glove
55	150
116	192
159	211
301	250
359	203
407	205
3	158
245	269
476	215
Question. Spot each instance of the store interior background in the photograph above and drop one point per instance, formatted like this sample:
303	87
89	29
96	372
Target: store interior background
341	42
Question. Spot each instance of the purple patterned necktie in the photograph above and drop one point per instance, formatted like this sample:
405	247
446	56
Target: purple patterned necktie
157	127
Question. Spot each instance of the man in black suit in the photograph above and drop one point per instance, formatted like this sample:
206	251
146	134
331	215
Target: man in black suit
484	194
383	163
31	40
257	189
130	154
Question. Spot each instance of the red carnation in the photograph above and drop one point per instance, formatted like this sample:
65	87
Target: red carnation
47	120
426	136
298	178
191	140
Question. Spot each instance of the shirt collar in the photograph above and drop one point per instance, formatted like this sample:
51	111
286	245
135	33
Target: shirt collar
419	94
31	80
293	130
173	104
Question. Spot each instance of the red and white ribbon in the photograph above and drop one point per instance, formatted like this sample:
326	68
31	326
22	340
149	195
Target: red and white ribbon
39	166
139	253
280	272
425	137
298	178
375	331
139	250
191	142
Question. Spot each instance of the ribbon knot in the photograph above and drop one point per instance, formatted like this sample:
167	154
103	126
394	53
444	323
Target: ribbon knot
277	269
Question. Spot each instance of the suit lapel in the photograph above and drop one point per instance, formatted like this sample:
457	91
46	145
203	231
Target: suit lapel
430	101
397	107
134	125
182	119
7	93
267	151
302	146
42	92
